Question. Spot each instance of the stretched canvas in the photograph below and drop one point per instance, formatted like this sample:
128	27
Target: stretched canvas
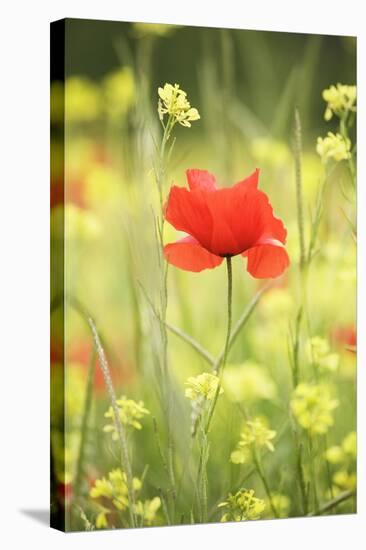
203	275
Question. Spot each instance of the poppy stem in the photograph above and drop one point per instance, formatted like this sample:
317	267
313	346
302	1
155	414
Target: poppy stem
221	364
220	367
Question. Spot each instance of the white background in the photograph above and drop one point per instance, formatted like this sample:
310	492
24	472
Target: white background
24	269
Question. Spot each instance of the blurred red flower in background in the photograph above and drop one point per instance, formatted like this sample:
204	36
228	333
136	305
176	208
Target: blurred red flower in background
345	337
223	223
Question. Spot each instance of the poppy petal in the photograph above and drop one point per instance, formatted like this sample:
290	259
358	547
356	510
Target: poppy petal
251	182
188	254
241	216
267	260
201	179
188	211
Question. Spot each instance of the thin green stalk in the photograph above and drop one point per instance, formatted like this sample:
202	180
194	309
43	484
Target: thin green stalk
202	475
222	362
125	459
239	325
312	470
260	471
327	465
333	503
84	423
299	193
351	164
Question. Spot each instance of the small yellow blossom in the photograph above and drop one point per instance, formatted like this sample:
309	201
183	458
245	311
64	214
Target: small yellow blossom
349	445
242	506
119	92
130	412
147	510
340	99
114	488
312	406
318	351
173	101
202	386
281	503
255	435
344	480
334	455
101	521
82	100
333	147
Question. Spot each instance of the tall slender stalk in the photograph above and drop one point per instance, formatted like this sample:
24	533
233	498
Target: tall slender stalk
122	436
202	473
85	422
221	364
299	193
160	178
260	471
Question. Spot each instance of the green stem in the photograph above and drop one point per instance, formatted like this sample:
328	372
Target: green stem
312	469
202	474
263	478
125	459
84	423
299	193
333	503
221	364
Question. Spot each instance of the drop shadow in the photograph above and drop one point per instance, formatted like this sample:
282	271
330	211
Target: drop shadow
40	515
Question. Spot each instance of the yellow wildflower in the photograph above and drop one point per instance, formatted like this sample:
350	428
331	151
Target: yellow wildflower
312	406
333	147
255	435
130	412
340	99
82	100
281	503
114	488
334	454
344	480
318	351
202	386
173	101
119	91
349	445
147	510
242	506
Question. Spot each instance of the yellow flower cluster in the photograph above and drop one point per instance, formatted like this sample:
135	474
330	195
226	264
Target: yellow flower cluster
333	147
86	100
130	412
119	92
338	454
318	351
173	101
147	510
255	435
281	503
203	386
340	99
114	489
242	506
312	406
345	456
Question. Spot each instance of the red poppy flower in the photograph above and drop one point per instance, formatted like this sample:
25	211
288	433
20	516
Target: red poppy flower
225	222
